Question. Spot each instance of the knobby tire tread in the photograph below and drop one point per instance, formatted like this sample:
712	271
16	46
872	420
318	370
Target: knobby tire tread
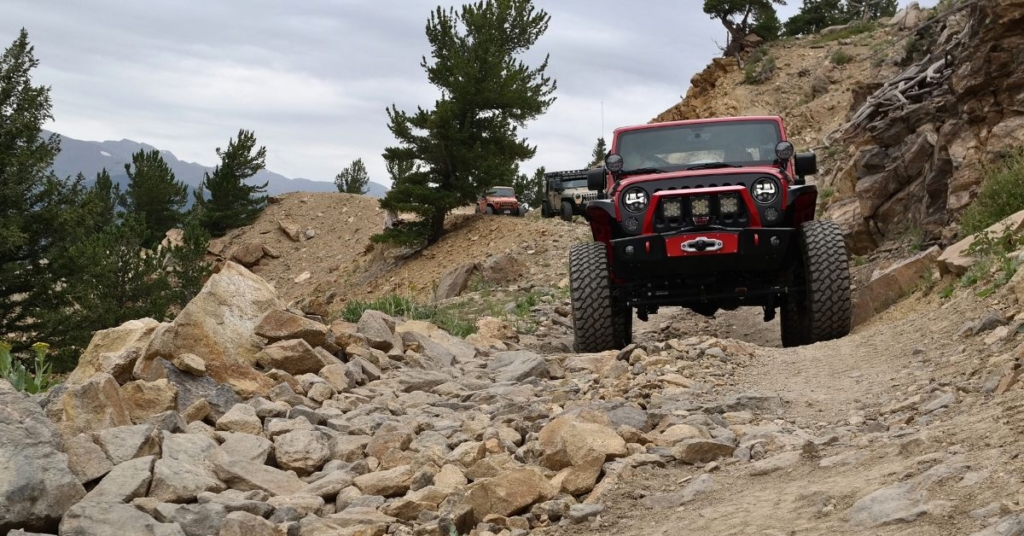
590	290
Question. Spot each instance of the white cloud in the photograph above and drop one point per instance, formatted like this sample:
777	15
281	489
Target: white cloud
313	78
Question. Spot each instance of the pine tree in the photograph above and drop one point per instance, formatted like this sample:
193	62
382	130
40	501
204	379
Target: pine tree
738	17
767	25
353	179
816	15
469	141
598	154
40	214
400	170
111	280
530	188
154	194
232	203
101	202
189	262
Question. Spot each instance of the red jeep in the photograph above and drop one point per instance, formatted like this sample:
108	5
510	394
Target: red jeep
499	200
707	214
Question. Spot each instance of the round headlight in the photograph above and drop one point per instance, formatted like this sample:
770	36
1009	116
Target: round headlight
613	162
635	199
764	190
784	150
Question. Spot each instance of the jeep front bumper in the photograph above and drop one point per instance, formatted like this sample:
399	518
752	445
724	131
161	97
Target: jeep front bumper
704	252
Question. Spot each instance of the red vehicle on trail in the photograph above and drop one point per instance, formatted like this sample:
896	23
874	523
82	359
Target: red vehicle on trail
709	214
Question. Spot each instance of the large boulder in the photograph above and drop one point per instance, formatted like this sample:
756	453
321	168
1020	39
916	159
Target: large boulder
956	259
892	284
218	325
454	281
114	351
36	485
93	406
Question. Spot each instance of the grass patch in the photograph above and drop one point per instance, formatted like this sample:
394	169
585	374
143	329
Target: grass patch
840	57
448	318
760	67
1001	195
947	291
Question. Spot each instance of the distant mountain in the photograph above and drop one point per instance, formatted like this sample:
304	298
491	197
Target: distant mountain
89	157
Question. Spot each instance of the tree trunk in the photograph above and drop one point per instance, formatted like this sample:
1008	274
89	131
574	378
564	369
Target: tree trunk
436	227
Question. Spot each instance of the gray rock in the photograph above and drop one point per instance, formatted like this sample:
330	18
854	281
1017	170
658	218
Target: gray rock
428	348
185	469
199	519
578	513
775	463
128	442
247	476
246	524
232	503
97	519
517	366
378	328
86	459
302	451
693	451
36	485
699	486
329	485
421	380
246	447
1011	525
124	482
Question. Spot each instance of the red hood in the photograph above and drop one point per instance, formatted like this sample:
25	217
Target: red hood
497	198
768	170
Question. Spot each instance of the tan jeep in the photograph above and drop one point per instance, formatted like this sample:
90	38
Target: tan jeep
566	194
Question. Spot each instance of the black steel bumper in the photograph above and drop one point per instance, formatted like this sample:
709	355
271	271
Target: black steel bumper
649	257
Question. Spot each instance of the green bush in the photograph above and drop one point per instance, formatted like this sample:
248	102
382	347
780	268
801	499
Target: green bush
1001	195
14	371
760	67
840	57
850	31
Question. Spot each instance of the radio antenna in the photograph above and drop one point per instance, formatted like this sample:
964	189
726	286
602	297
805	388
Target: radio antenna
602	119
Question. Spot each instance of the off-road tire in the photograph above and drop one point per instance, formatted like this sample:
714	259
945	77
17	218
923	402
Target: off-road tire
489	209
545	209
824	310
598	323
566	211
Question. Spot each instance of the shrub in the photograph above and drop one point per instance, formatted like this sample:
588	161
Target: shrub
1001	195
447	318
760	67
14	371
840	57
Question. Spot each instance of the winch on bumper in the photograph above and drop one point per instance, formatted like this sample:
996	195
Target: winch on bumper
701	252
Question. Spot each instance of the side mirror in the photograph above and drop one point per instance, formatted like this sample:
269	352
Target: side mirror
805	164
596	179
556	184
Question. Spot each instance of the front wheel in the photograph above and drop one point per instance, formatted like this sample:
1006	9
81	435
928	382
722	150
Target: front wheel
566	211
599	324
489	209
821	309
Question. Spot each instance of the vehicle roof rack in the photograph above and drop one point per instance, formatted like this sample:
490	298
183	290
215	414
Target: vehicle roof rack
573	174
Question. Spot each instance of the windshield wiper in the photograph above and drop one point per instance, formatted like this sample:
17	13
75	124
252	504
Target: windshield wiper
712	165
643	170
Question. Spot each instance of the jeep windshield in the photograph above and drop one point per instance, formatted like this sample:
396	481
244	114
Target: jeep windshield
699	146
502	192
575	183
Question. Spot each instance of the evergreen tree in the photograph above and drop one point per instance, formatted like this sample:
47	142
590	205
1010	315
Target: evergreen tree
530	188
189	262
469	140
101	202
110	281
353	179
40	214
598	154
154	194
400	170
232	203
738	17
816	15
767	25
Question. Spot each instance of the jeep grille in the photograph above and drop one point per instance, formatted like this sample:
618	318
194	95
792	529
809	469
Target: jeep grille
664	223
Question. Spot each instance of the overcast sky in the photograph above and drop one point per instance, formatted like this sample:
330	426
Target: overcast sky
313	78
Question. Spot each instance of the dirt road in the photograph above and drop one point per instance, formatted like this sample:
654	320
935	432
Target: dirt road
887	431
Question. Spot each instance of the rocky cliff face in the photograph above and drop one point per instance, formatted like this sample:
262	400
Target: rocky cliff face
919	163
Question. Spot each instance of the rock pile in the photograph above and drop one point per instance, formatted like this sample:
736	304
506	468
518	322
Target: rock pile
242	416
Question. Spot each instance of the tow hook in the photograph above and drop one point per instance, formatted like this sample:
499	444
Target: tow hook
701	244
